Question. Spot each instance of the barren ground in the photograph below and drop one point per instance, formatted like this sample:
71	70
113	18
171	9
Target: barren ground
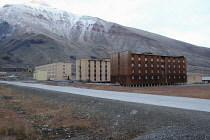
194	91
29	113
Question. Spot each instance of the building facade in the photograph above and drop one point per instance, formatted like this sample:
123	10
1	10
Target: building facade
147	69
93	70
194	79
56	71
3	73
40	75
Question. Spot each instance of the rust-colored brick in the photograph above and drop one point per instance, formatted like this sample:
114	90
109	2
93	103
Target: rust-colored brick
141	69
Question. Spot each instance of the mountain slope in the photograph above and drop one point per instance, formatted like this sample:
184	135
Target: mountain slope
38	35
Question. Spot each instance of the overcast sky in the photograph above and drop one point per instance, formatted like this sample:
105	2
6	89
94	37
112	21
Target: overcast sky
185	20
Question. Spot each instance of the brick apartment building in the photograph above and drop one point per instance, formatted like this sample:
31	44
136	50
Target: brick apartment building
55	71
93	70
147	69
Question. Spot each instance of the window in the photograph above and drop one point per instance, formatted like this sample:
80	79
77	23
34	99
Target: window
169	71
174	66
145	71
169	77
151	59
152	77
139	59
179	71
179	77
146	77
169	60
157	60
158	71
151	65
183	61
174	71
132	77
178	66
174	60
139	77
163	71
183	71
139	71
184	77
162	66
158	77
169	66
132	71
157	65
145	65
132	58
132	65
178	61
174	77
162	60
139	65
145	59
183	66
152	71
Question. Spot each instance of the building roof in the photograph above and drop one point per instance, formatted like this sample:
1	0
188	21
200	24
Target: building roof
102	59
205	78
13	67
150	53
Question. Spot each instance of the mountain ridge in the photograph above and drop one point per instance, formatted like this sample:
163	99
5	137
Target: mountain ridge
77	36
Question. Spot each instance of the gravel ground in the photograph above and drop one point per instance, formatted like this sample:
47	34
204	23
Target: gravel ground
124	120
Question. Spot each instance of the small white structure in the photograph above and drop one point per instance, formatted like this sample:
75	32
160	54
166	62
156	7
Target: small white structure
206	80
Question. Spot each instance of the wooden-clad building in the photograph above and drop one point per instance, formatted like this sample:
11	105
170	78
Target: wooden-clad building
146	69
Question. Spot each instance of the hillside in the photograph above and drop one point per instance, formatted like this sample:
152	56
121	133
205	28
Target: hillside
35	35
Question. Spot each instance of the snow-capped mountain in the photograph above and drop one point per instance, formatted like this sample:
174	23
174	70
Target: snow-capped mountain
33	34
41	19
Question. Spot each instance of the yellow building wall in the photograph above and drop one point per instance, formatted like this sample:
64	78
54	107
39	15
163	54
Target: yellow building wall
97	71
78	69
56	71
40	75
108	71
3	73
93	70
84	69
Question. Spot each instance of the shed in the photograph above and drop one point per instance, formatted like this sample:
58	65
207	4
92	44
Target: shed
194	79
206	80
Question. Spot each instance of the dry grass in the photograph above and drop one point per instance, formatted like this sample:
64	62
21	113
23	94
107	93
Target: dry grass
31	117
202	92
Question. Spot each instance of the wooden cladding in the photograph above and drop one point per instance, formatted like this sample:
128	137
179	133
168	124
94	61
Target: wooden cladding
138	69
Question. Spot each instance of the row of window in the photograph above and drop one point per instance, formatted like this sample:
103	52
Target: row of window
95	68
162	60
100	63
157	77
162	66
158	71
